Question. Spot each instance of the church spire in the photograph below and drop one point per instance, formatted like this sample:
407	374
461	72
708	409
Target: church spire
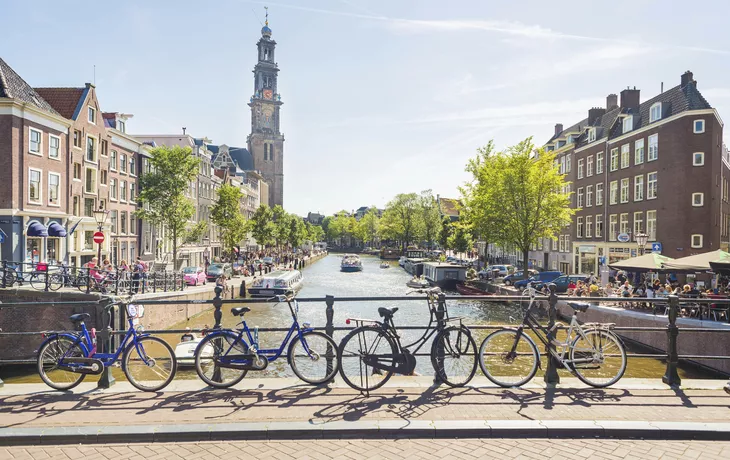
266	31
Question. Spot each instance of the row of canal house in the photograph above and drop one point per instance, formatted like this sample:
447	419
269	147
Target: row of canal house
656	167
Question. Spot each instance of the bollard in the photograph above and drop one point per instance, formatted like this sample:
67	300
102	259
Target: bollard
106	380
329	329
551	373
242	290
440	324
217	315
88	280
164	281
671	377
233	293
116	282
47	280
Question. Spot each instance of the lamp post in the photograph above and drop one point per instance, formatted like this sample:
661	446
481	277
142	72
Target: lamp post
100	217
641	239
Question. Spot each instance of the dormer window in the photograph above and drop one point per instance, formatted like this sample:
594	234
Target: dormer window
592	135
559	144
570	140
628	124
122	126
655	113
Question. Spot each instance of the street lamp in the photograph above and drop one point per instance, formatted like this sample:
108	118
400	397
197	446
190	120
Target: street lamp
641	239
100	217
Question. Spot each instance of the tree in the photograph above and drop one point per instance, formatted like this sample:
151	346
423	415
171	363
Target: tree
430	217
445	233
461	240
316	234
226	214
474	210
367	229
262	225
281	225
297	231
162	195
519	193
402	218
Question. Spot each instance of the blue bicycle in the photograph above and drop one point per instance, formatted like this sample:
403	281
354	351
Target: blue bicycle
224	356
65	359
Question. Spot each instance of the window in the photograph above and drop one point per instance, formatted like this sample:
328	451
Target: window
653	147
599	194
612	227
628	124
113	161
696	241
624	227
567	163
104	148
92	115
555	244
122	190
580	197
651	225
54	146
651	186
698	159
639	152
580	168
638	223
122	163
77	171
698	199
589	166
112	189
569	140
132	224
88	240
89	207
638	188
76	206
113	216
77	138
599	163
122	126
599	226
123	226
35	141
132	191
54	187
579	228
625	190
103	180
266	151
613	193
90	185
34	185
655	113
132	165
591	134
699	126
614	160
91	149
625	156
589	196
589	226
561	243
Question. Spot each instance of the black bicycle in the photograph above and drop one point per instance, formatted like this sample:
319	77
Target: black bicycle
372	352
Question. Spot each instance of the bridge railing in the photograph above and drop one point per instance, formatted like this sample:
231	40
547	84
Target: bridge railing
111	312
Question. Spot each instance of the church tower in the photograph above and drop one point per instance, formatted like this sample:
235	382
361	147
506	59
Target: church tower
266	143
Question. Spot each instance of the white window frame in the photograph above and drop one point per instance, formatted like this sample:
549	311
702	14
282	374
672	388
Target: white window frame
652	115
652	235
123	161
649	149
131	185
113	189
580	197
694	159
591	134
589	196
96	150
638	218
621	227
96	181
579	227
40	141
132	159
56	205
639	187
599	163
589	226
648	186
612	227
581	168
599	229
613	192
58	138
692	240
694	126
40	186
91	115
639	147
599	186
123	199
116	159
625	156
628	121
701	196
611	163
625	187
589	166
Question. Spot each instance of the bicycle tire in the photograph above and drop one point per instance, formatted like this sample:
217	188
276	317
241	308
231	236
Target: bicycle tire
82	281
614	371
233	376
50	353
38	280
56	282
361	368
500	367
10	277
456	349
150	365
299	369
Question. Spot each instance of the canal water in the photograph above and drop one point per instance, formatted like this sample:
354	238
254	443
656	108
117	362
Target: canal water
324	278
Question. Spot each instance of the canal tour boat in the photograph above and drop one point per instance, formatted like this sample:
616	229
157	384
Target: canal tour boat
280	282
444	275
185	350
351	263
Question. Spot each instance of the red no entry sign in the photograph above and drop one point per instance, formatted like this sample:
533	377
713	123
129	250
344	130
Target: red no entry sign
98	237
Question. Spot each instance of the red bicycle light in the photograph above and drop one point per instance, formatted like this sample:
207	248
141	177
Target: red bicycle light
347	321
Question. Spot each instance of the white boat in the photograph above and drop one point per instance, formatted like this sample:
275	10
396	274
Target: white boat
185	350
384	265
444	275
402	260
351	263
418	283
280	282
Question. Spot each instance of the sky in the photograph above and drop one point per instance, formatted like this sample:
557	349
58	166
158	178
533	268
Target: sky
380	96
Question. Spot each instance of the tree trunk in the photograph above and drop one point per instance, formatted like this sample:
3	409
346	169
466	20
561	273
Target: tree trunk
525	262
174	251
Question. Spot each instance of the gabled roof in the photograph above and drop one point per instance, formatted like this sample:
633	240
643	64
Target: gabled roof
241	156
449	207
66	101
12	86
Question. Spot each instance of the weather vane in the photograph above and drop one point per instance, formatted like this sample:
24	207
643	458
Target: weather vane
267	15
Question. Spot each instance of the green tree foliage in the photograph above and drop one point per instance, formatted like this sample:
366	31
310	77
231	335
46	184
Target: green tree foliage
342	226
402	218
262	226
162	194
461	239
367	229
226	214
445	233
282	225
316	234
297	231
430	217
517	194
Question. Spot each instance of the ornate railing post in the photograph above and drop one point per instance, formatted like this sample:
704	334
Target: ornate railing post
106	380
5	274
329	329
217	316
671	377
551	373
440	324
88	280
47	281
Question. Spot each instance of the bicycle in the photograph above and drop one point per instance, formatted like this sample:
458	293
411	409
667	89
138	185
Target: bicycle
224	356
373	352
510	358
65	359
36	277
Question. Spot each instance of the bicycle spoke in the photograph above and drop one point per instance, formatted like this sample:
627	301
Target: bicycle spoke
598	359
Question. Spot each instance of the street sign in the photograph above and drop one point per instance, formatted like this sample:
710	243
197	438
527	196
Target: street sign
98	237
656	247
623	237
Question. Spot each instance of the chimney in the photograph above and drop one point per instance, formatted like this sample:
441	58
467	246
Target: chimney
611	102
558	128
595	112
630	98
687	79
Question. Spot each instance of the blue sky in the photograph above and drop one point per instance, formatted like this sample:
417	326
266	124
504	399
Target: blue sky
380	97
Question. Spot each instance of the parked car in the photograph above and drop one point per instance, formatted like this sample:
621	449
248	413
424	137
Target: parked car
516	276
268	260
218	269
194	276
562	282
502	270
544	277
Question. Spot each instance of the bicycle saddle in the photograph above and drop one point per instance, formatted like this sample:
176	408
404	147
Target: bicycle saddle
240	311
78	317
387	312
579	306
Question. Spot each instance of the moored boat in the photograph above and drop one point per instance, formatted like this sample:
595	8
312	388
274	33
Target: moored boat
351	263
418	283
444	275
465	289
185	350
384	265
280	282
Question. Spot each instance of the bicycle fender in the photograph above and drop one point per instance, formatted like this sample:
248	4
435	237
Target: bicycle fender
55	335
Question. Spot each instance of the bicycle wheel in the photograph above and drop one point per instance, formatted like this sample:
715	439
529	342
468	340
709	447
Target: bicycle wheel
10	277
216	346
363	342
38	280
314	358
150	364
82	281
50	354
454	356
503	366
56	282
601	358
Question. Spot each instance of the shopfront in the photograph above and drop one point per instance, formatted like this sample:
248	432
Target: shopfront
589	258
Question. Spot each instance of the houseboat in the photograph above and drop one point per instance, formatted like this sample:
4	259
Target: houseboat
389	253
444	275
351	263
281	282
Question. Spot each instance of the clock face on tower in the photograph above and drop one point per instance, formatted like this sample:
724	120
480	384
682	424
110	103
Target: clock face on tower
268	94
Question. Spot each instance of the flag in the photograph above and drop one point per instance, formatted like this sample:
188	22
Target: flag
74	227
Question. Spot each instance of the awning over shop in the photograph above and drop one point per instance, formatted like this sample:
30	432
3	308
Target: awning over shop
697	263
56	229
37	229
645	263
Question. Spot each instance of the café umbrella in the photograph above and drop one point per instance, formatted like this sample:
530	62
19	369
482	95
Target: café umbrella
651	262
697	262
